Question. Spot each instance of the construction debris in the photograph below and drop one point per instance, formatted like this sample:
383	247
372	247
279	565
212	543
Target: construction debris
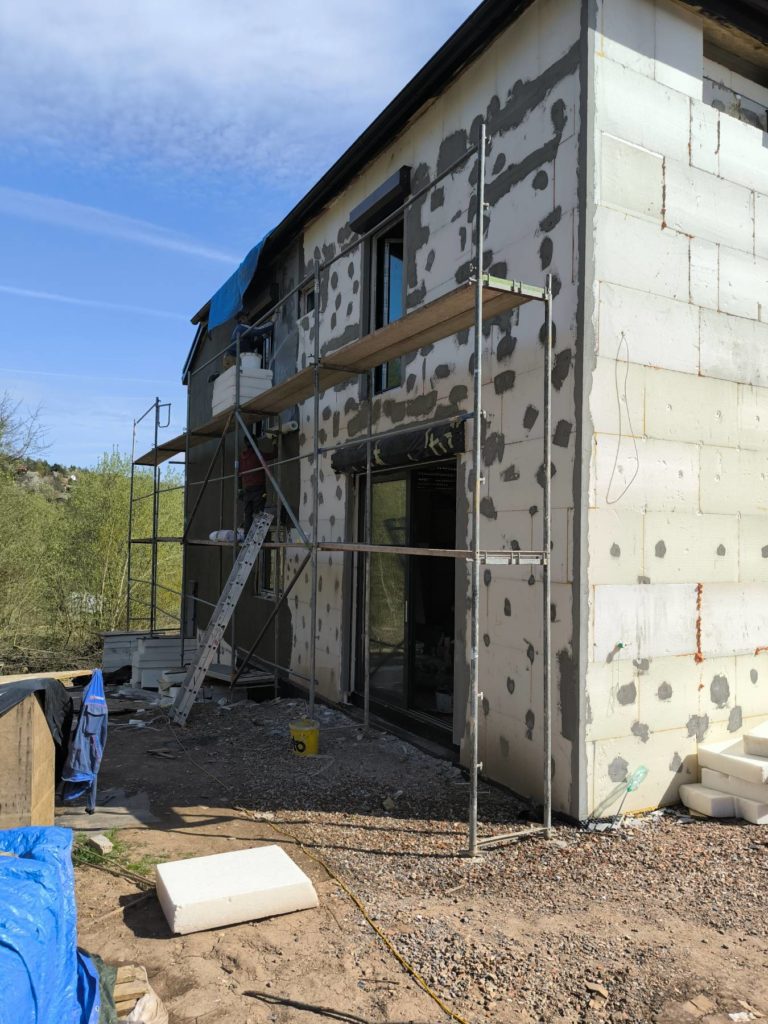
100	844
734	779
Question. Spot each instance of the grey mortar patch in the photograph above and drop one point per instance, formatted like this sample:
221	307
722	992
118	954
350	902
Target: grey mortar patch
515	173
664	691
641	730
498	163
529	651
753	675
326	413
507	607
551	220
561	368
660	549
456	216
504	381
337	301
721	549
735	719
486	640
464	271
506	347
530	416
336	423
540	180
442	371
627	694
452	148
350	307
530	721
504	746
493	449
338	494
719	691
430	260
617	770
350	270
543	331
462	239
510	685
525	96
487	577
458	393
643	579
356	286
615	551
437	198
462	337
410	383
333	321
540	473
698	726
486	705
416	233
546	250
510	474
562	434
569	694
488	509
676	764
642	665
334	280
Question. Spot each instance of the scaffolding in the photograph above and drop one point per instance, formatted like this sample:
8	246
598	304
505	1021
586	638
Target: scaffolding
468	305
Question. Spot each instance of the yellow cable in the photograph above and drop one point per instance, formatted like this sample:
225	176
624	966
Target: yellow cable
405	964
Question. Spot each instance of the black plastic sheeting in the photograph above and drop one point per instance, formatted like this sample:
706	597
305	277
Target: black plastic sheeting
422	444
57	707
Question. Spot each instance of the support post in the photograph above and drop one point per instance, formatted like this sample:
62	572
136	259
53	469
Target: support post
477	381
367	564
130	532
155	521
546	578
235	488
185	502
279	556
315	497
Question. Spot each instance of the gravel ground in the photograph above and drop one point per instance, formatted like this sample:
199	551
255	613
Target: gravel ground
620	926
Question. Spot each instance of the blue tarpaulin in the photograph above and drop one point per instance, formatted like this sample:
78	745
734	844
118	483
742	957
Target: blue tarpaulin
228	300
43	976
87	748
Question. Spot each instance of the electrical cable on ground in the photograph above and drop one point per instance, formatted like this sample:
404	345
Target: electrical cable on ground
280	830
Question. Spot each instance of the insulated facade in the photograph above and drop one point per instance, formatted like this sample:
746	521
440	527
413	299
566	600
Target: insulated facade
609	168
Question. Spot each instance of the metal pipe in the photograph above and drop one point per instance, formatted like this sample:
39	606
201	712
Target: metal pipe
279	556
367	564
185	507
235	487
163	490
155	517
547	545
315	498
130	532
477	381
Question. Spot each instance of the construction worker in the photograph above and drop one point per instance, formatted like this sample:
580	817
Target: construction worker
253	480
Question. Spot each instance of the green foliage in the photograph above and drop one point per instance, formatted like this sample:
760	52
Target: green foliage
121	855
64	562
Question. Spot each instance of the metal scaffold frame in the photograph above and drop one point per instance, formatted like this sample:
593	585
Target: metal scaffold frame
430	322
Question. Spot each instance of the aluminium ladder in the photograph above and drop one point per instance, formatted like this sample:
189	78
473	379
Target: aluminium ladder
221	616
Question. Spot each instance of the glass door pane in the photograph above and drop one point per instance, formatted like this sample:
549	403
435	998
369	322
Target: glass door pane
389	592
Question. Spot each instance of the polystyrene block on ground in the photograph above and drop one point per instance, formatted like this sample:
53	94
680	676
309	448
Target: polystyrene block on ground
730	758
756	741
707	801
752	810
736	787
227	888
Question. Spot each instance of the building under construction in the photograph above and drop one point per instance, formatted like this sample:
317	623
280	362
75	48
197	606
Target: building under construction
536	178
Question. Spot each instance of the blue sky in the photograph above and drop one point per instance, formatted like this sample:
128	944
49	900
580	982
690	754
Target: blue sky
145	146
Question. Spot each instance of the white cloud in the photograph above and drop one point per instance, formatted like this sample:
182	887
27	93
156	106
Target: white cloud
207	87
92	220
72	300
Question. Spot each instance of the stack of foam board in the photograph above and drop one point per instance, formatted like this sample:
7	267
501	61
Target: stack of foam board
253	380
155	654
734	779
118	649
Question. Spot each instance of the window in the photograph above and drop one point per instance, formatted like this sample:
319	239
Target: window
268	565
387	296
736	87
306	300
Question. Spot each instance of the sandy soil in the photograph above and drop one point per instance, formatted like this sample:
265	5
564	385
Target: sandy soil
619	926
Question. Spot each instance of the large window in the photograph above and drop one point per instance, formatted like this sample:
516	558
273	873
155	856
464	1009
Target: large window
387	296
736	87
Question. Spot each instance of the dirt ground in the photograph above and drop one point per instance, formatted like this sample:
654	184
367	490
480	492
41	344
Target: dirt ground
624	925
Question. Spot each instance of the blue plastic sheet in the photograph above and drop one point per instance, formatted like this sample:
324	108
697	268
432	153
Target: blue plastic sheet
41	970
87	748
228	300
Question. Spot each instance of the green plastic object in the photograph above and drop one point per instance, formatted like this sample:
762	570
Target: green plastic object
637	776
